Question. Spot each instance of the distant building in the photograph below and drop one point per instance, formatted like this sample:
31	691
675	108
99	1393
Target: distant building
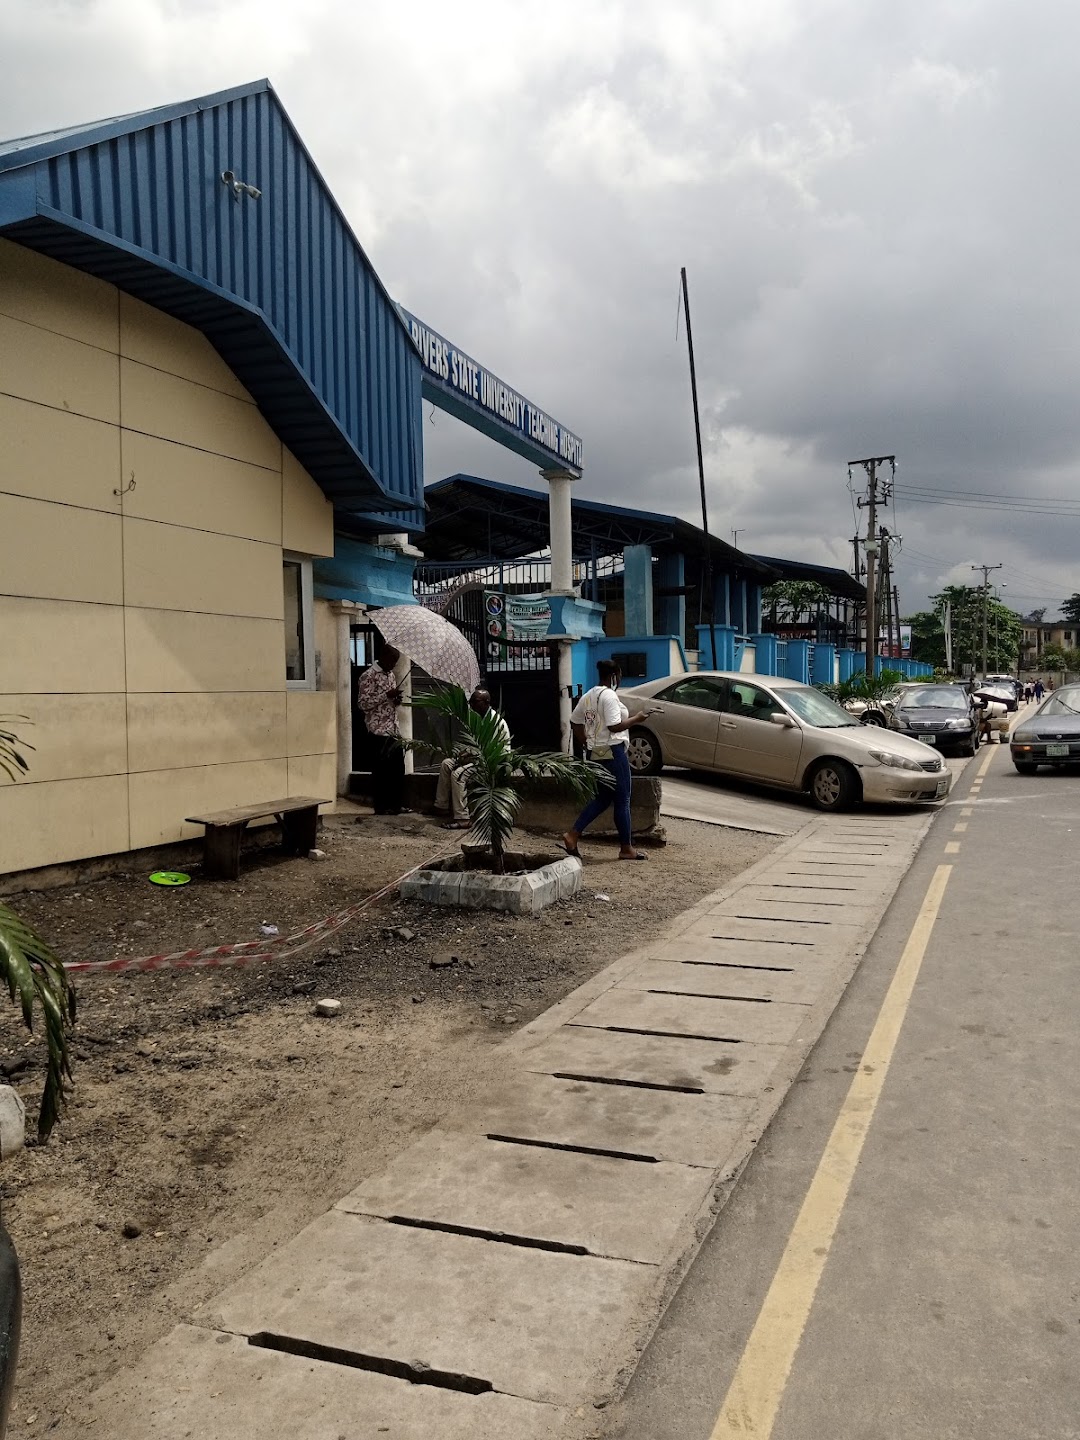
1038	634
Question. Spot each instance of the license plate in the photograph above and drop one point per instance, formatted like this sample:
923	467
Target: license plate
927	739
1057	750
942	788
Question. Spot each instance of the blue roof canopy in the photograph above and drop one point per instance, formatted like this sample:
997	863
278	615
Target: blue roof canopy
277	282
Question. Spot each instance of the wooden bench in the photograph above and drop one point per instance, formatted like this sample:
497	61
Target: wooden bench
298	816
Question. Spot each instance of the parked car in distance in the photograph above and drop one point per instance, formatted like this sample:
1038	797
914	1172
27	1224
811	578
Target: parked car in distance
946	716
781	733
1051	736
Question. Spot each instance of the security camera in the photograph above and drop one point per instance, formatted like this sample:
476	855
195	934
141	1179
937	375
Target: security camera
239	187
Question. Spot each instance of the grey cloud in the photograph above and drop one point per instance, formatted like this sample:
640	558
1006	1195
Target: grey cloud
874	204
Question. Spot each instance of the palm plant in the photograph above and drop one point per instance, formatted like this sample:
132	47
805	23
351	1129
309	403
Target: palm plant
496	770
34	976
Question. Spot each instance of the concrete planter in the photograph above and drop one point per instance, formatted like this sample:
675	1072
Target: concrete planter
453	882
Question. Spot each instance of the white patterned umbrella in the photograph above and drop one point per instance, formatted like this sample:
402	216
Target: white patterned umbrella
431	642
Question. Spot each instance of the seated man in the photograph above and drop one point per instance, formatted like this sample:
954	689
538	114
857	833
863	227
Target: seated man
450	796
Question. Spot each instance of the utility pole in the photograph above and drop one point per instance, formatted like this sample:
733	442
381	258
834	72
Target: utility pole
986	571
735	536
871	501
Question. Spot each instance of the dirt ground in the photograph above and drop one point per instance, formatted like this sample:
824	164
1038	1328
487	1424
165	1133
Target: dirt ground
215	1115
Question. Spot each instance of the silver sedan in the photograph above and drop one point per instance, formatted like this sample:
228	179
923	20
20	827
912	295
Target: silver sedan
782	733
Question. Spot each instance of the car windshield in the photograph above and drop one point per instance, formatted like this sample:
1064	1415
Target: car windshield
814	708
934	697
1062	702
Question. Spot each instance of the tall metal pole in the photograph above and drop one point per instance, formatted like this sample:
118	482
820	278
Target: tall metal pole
870	465
986	570
707	570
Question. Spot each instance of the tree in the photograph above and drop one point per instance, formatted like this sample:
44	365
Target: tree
1070	608
793	600
1004	631
1058	657
34	976
496	769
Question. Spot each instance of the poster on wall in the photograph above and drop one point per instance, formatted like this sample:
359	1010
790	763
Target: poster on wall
510	620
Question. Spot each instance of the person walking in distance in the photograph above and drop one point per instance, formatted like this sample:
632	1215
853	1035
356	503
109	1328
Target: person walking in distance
451	796
602	722
1039	691
379	695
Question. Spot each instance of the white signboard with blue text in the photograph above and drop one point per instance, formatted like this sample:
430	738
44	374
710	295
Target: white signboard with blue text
463	387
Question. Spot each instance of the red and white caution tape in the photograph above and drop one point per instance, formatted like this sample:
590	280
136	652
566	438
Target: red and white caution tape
244	952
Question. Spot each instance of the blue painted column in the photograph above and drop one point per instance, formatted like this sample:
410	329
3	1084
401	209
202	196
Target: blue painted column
765	646
671	610
798	660
821	672
638	589
753	619
847	663
725	647
743	621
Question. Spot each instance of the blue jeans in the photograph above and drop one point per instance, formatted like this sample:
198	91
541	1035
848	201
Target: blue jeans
619	766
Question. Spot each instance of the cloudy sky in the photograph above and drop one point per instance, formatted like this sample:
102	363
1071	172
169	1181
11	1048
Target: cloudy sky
876	204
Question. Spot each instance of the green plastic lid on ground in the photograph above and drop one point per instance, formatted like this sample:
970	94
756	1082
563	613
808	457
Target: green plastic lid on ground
169	877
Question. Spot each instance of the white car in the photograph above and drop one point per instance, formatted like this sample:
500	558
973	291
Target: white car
779	732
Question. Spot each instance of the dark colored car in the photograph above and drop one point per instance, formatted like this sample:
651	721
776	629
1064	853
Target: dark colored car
944	716
1052	735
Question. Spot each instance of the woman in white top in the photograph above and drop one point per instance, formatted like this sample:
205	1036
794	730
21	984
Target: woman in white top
602	722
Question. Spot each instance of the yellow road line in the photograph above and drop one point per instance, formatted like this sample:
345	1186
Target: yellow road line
960	827
757	1387
952	847
966	812
987	762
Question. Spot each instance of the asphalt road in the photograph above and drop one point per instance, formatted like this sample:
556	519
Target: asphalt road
899	1259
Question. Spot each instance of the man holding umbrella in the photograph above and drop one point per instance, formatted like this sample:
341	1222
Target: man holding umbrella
379	695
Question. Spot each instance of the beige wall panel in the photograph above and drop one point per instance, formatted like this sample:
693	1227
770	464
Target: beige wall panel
314	775
175	409
161	799
167	567
53	455
156	339
167	732
312	722
59	552
60	647
62	820
307	517
74	736
40	365
183	486
172	650
53	296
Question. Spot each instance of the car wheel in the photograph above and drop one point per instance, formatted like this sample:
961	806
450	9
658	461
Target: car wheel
643	752
1025	767
833	785
874	717
969	748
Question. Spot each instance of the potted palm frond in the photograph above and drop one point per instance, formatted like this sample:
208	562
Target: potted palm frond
496	772
36	981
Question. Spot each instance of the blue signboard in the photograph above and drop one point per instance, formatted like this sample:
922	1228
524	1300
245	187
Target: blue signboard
462	386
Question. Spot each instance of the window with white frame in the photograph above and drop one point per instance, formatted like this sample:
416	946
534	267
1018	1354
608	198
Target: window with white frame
299	624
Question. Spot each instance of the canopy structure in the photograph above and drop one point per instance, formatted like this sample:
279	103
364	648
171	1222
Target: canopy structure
475	521
839	583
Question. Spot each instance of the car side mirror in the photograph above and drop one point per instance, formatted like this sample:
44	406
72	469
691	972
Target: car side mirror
781	718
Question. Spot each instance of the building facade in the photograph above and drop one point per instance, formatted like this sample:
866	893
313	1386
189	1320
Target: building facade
205	395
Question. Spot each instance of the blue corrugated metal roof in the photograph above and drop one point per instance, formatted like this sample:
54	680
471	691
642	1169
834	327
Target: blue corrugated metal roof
279	284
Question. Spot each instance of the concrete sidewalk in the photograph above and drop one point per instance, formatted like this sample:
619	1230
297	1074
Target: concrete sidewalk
503	1275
